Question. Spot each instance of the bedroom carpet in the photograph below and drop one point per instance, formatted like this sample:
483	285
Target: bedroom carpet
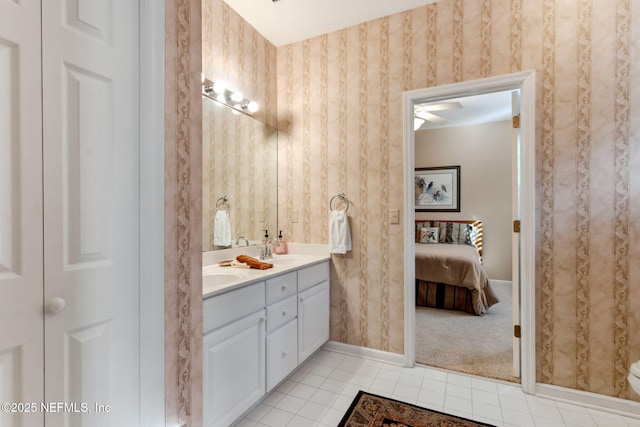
370	410
463	342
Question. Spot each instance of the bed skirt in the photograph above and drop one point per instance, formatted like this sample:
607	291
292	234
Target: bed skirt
440	295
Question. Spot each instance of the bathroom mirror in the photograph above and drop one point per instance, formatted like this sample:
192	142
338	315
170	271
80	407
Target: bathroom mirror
239	159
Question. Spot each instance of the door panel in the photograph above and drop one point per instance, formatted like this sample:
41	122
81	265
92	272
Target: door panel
21	282
87	168
91	175
233	369
313	319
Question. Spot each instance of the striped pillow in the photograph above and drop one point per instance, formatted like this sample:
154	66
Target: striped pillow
454	232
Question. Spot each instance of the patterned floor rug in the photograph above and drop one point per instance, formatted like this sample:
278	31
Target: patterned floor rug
369	410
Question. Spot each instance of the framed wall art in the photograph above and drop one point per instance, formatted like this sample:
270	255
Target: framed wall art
437	189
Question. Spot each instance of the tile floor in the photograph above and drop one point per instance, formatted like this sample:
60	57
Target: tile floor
321	390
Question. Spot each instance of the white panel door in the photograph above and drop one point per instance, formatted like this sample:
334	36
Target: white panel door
313	319
233	369
21	342
91	229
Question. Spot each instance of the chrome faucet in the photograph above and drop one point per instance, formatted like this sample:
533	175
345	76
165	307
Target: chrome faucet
243	238
265	252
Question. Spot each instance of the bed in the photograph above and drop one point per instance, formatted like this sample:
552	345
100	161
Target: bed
449	271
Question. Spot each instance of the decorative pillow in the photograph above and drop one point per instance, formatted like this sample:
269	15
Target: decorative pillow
455	233
472	235
429	235
423	224
449	232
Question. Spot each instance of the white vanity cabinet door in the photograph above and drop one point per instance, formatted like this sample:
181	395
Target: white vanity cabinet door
313	319
234	369
282	353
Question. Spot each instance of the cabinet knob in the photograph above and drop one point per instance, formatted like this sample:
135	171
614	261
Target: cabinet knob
284	354
284	287
284	312
55	305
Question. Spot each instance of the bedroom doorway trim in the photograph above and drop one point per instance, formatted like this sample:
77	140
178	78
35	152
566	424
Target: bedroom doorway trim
526	83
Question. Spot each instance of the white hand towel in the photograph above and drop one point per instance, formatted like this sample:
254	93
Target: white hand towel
222	229
339	233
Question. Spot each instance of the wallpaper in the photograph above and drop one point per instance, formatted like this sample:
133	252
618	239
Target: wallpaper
239	161
183	197
239	152
340	122
234	52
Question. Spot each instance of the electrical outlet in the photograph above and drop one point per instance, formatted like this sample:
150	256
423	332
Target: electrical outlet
394	216
294	215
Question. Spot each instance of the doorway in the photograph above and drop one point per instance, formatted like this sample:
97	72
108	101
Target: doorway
525	83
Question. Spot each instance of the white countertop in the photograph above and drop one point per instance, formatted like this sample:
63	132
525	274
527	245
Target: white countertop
217	279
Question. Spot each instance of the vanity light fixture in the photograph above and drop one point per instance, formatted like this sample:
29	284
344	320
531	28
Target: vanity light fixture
219	92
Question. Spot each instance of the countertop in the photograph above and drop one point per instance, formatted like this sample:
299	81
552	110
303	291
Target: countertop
218	280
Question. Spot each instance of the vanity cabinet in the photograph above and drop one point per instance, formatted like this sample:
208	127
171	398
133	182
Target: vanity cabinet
234	354
313	309
282	327
257	335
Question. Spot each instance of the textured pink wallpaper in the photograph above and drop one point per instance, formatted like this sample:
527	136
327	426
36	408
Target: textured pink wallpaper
340	117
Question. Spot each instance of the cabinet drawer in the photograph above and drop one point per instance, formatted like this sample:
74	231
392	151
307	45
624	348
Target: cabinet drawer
313	275
225	308
282	353
281	312
281	287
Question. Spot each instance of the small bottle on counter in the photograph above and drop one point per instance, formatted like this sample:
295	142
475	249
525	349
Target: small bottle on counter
281	247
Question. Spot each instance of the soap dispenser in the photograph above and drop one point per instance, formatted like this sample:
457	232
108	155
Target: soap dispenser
266	236
281	247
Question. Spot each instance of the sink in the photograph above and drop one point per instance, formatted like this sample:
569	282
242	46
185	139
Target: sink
219	279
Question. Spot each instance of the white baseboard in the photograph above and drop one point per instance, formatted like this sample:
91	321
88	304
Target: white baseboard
627	408
367	353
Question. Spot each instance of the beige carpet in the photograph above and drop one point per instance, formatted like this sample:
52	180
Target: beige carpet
459	341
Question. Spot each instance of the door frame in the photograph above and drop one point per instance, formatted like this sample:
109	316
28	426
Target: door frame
526	82
151	257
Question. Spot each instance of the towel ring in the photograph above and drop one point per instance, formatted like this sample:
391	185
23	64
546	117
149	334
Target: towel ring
339	196
221	201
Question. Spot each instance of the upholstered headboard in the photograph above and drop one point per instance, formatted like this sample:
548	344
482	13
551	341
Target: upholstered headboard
447	232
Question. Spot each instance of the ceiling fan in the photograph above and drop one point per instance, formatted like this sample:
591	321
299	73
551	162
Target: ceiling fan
424	113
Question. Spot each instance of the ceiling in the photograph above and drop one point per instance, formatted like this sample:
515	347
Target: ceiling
486	108
288	21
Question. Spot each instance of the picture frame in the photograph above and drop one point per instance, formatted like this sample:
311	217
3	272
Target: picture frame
437	189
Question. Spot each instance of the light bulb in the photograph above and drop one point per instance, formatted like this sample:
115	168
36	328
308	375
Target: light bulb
237	96
252	106
219	88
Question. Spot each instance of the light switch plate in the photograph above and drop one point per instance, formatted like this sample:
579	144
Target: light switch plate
394	216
